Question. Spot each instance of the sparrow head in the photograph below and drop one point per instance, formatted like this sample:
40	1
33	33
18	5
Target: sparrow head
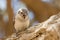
23	13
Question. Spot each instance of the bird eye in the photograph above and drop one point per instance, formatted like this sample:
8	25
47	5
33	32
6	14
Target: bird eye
21	12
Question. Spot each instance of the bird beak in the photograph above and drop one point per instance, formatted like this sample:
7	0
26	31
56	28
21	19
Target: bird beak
24	16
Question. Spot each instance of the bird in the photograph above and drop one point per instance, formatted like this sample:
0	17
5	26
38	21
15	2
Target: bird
22	20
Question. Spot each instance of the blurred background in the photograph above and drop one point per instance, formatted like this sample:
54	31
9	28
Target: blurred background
39	11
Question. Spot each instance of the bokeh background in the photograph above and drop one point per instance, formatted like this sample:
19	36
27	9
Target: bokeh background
39	11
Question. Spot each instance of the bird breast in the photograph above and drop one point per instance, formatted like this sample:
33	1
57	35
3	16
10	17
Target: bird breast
21	25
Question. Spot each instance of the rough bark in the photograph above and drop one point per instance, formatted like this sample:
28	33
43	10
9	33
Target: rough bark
47	30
